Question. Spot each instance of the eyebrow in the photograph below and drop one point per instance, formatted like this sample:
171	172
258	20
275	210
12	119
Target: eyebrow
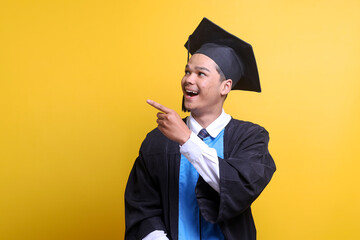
198	68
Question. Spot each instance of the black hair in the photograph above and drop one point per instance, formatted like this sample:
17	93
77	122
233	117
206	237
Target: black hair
222	75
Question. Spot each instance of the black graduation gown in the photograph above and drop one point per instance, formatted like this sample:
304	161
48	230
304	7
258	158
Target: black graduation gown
151	195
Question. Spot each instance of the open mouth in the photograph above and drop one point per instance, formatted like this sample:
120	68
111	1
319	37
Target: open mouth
191	93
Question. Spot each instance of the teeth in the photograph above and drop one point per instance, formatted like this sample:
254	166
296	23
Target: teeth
192	92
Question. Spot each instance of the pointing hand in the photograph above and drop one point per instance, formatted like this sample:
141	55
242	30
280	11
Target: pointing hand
170	123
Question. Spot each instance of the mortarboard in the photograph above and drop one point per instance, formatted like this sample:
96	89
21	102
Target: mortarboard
234	56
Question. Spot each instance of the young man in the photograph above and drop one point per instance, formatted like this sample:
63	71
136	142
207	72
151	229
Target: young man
197	178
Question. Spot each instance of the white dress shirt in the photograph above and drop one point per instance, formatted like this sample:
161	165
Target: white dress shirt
201	156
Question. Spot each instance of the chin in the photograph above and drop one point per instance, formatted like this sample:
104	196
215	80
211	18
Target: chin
188	106
189	109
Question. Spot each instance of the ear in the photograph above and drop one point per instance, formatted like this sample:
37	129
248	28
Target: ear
226	87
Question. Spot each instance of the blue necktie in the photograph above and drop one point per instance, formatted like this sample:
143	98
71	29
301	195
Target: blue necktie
203	134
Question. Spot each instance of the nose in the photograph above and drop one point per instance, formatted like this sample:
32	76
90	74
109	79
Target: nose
189	78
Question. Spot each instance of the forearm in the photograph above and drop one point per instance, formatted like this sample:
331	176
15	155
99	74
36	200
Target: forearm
204	159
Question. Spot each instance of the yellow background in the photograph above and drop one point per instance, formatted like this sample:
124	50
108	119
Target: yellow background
74	77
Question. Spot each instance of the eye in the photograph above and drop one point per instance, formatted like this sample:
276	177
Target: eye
201	74
187	72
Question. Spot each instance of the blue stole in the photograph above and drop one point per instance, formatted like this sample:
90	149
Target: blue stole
189	223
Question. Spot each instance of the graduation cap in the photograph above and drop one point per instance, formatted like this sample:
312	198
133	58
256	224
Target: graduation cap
234	57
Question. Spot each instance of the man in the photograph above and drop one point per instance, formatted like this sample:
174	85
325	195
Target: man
197	178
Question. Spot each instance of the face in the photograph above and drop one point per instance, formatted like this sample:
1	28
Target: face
203	91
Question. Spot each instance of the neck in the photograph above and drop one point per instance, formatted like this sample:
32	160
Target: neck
206	119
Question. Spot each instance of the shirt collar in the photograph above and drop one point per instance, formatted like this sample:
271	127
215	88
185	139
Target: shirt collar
214	128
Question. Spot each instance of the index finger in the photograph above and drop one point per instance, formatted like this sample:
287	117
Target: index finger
158	106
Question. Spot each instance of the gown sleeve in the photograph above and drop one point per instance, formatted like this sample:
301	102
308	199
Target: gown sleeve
143	208
245	171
